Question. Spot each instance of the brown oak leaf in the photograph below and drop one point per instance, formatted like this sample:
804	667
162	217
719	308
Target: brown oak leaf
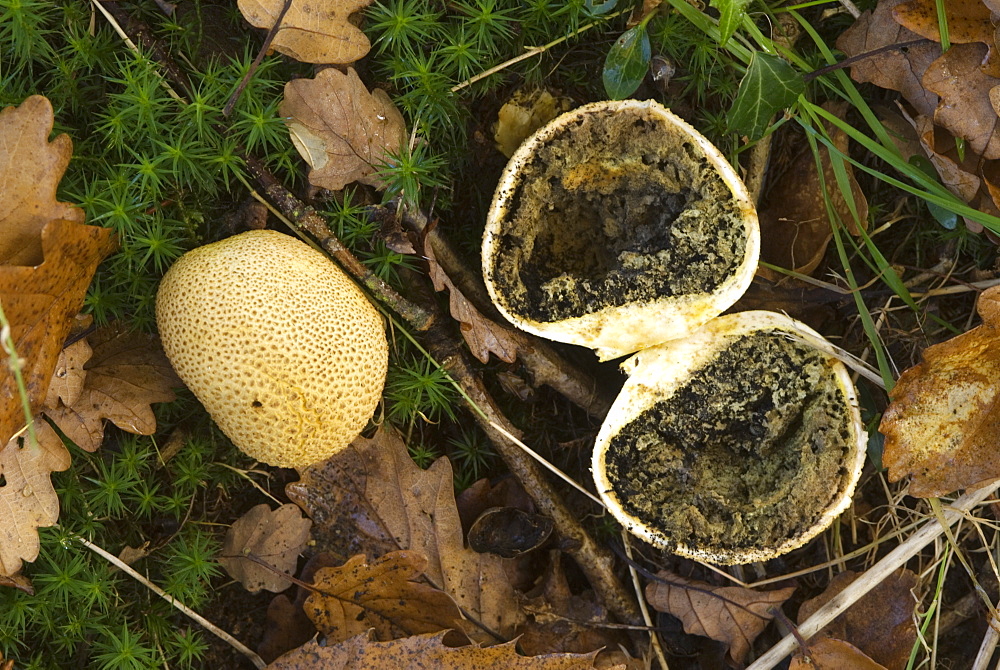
275	537
943	422
896	69
125	374
68	377
312	32
30	170
830	654
341	129
383	595
28	500
481	334
880	624
965	109
563	621
732	615
423	651
968	20
375	488
40	303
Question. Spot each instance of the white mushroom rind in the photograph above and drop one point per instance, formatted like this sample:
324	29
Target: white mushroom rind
657	373
615	331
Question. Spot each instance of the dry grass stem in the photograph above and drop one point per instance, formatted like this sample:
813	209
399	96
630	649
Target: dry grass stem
874	575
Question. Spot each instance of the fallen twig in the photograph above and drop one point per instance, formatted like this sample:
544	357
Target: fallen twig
595	562
205	623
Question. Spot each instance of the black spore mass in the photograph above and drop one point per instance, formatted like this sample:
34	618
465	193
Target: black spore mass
613	210
747	453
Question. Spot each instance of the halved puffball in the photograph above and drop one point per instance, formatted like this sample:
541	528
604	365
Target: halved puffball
735	444
280	346
618	226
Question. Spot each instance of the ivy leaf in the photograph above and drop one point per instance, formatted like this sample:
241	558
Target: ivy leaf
769	86
731	13
598	7
627	63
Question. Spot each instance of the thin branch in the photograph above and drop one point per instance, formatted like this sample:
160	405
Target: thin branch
847	62
205	623
234	98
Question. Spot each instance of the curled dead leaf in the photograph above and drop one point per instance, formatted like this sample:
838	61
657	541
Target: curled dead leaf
275	537
880	625
964	108
374	487
830	654
126	372
40	303
943	422
30	170
732	615
483	335
895	69
27	496
794	221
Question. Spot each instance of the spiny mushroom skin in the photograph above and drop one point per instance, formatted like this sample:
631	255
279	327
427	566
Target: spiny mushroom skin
736	444
617	226
280	346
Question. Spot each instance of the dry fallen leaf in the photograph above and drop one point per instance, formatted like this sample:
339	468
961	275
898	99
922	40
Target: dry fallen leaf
384	595
375	488
730	614
422	651
287	625
562	621
126	372
68	377
341	129
943	422
965	109
481	334
795	227
40	303
895	69
30	170
28	500
968	20
276	537
880	624
317	32
830	654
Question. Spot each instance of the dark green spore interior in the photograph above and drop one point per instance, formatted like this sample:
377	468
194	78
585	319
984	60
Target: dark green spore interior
616	209
748	453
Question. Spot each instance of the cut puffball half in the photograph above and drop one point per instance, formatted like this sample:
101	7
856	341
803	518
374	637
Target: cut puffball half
617	226
735	444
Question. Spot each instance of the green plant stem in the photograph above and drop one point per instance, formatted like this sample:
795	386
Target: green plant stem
14	364
534	51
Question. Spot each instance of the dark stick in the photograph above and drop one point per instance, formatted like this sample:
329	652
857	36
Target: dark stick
228	109
847	62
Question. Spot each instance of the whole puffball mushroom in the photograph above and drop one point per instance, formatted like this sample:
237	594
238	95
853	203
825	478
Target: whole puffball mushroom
284	351
735	444
618	226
